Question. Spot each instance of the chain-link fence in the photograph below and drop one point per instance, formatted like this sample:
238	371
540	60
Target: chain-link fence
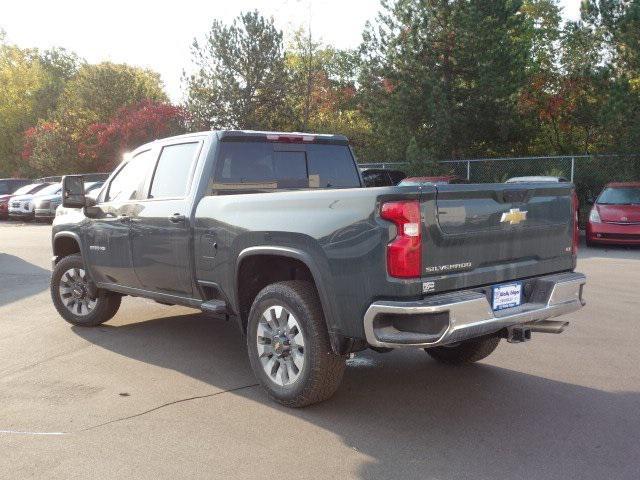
588	172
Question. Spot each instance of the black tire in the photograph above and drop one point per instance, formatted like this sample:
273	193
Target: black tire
322	370
469	351
106	305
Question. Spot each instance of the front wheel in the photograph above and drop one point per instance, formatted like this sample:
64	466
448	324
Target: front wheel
76	297
289	345
469	351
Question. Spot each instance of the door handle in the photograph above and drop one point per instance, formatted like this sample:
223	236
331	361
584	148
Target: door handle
177	218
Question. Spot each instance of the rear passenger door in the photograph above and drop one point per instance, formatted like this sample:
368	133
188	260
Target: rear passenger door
160	229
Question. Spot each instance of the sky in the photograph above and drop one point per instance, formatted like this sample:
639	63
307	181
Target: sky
158	34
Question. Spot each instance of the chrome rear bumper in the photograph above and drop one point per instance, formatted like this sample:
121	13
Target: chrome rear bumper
468	314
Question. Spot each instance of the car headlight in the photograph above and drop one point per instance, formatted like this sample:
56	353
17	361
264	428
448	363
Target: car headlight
594	216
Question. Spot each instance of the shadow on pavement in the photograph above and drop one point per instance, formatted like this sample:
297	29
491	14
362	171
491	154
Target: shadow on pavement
415	418
20	279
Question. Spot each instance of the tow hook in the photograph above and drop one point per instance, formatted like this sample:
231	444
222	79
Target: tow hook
518	334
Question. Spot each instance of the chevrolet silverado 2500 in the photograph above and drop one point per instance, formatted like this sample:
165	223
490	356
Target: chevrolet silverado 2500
275	231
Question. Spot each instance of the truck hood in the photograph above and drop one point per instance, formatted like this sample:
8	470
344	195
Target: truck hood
22	198
55	196
619	213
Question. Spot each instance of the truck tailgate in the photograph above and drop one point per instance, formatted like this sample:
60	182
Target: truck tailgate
484	234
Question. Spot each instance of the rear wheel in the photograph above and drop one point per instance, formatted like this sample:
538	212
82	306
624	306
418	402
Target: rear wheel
76	297
289	345
469	351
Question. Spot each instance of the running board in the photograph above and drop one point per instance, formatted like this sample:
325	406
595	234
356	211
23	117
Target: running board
214	306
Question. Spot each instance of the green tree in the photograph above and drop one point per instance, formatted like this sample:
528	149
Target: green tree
322	94
619	24
240	79
97	91
48	149
447	73
30	86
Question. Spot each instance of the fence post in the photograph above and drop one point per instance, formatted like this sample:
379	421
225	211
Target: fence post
573	167
468	171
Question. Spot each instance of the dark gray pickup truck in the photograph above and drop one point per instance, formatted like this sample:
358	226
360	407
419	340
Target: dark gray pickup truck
275	231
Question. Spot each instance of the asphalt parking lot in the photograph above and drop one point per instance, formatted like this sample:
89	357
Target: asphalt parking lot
166	392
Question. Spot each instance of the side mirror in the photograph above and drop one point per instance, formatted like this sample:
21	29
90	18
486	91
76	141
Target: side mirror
73	191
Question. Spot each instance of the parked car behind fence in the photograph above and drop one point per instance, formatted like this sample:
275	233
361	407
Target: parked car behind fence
381	177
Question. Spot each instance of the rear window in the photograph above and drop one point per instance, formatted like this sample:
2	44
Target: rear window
620	196
258	166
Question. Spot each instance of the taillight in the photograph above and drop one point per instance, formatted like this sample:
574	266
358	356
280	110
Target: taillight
404	252
576	227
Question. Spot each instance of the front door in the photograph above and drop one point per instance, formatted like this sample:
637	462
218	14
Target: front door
161	232
108	234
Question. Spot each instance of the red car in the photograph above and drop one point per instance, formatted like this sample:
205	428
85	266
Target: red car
615	216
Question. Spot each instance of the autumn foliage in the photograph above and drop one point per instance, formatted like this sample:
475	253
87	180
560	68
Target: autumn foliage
98	147
103	144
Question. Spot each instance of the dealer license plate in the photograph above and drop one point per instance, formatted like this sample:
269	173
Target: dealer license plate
507	296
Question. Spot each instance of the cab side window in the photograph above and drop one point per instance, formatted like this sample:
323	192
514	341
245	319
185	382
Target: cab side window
128	182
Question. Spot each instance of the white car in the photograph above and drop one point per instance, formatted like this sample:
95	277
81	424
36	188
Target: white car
46	205
23	206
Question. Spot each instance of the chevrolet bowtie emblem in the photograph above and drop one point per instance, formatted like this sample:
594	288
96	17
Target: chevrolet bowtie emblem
513	216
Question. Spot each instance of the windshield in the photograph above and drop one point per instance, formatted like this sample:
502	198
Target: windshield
411	183
50	190
89	187
34	187
4	188
620	196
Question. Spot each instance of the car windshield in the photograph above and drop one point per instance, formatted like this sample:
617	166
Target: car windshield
620	196
50	190
29	189
90	186
410	183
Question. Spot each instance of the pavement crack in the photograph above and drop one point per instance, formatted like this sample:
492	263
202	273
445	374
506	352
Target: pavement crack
168	404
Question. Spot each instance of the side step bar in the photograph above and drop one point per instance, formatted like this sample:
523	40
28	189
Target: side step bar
214	306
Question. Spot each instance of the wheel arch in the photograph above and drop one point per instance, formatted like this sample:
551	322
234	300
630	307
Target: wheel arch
315	276
65	244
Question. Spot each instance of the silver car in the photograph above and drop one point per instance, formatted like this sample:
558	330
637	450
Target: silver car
46	204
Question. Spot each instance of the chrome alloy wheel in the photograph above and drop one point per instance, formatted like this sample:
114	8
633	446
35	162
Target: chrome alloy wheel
280	345
76	292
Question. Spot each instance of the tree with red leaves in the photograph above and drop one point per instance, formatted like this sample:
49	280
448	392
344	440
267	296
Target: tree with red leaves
53	148
103	144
